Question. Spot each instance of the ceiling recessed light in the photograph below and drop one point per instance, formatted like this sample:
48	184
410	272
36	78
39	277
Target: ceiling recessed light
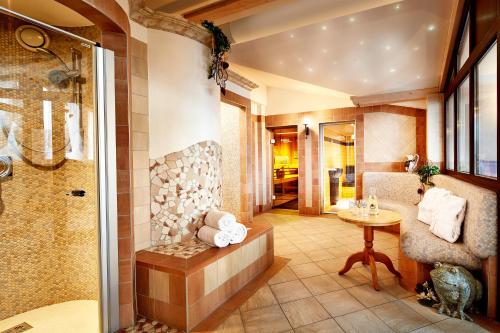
418	77
299	59
324	27
292	35
324	51
361	42
416	48
431	27
335	62
392	70
365	80
280	62
397	6
352	19
387	47
310	69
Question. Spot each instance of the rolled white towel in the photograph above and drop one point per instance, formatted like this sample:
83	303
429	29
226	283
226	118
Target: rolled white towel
237	233
213	236
220	220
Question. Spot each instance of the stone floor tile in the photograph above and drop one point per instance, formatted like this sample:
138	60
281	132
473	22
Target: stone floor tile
382	271
325	326
429	329
290	291
321	284
233	324
340	251
429	313
361	322
370	297
392	287
456	325
399	317
262	298
318	255
339	302
280	251
297	259
350	279
270	319
284	275
307	270
332	265
304	311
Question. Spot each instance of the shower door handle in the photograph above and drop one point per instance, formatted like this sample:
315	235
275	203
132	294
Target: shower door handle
77	193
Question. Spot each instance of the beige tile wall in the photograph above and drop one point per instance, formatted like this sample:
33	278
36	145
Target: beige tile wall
139	123
389	137
230	143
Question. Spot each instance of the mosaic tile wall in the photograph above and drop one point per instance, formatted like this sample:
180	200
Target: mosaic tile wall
48	240
184	186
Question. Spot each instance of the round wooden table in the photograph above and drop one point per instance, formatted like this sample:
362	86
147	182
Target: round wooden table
368	256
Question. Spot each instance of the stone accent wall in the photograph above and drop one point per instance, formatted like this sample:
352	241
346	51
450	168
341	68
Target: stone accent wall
185	185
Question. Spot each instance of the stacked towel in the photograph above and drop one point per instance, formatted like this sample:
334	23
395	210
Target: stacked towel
447	220
219	226
220	220
213	236
237	233
429	202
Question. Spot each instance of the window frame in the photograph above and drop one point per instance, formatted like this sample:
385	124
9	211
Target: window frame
477	50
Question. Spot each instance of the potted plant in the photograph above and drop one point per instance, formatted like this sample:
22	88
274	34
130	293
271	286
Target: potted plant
425	173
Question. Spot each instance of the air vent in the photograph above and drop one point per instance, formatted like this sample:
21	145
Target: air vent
18	328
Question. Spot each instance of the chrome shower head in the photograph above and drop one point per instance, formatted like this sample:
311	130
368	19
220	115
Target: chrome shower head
61	77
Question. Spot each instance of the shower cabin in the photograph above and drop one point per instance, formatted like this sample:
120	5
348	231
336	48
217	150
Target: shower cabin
58	263
338	161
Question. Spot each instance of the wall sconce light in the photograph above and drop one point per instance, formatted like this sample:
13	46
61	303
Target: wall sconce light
306	127
307	121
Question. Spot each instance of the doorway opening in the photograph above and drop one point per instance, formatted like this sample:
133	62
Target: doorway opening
338	160
285	168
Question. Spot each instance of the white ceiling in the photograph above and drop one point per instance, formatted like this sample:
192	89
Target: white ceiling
390	48
47	11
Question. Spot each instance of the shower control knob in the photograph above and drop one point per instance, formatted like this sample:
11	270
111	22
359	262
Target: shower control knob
77	193
5	167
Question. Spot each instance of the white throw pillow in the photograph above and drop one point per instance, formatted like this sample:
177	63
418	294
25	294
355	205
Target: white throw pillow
426	207
447	219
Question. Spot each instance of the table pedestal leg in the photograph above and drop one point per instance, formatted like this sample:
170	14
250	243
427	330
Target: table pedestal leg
368	257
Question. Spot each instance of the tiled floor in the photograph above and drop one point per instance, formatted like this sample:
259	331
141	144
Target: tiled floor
309	296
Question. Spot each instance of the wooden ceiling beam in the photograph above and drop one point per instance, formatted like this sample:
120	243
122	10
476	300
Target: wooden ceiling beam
155	4
220	11
182	7
394	97
456	14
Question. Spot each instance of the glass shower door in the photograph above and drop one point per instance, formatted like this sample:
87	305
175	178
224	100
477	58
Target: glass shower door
338	161
49	212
